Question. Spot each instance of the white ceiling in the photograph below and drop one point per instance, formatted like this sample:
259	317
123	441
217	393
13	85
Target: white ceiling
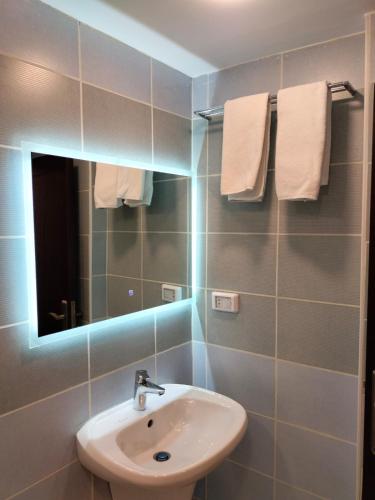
200	36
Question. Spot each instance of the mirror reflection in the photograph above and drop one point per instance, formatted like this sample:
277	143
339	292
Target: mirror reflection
109	240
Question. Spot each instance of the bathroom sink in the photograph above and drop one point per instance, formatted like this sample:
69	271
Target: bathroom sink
162	451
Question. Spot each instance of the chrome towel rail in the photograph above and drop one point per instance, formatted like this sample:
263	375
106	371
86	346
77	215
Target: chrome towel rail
210	113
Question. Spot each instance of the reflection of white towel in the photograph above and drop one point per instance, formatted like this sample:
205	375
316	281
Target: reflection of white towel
105	190
246	133
148	189
130	183
303	141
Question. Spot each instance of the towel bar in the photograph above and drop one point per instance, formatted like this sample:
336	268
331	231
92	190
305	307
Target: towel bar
210	113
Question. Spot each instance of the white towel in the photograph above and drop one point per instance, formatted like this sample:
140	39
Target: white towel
246	133
105	190
303	141
148	190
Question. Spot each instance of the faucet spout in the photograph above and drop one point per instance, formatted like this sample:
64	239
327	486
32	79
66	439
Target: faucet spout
143	386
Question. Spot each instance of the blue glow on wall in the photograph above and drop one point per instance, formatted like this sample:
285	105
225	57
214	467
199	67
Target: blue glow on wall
27	149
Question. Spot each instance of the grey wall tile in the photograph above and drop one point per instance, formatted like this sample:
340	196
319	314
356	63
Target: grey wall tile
85	299
114	346
84	262
172	140
45	113
330	266
250	78
117	387
165	257
215	146
284	492
116	125
110	64
69	483
152	295
13	294
347	130
338	209
225	216
317	399
244	377
101	490
44	35
124	295
84	212
99	253
99	297
316	463
256	449
173	327
332	342
169	208
232	481
175	366
242	262
40	439
99	217
251	329
83	174
199	146
124	254
201	195
199	93
199	353
32	374
124	219
334	61
201	260
171	89
11	193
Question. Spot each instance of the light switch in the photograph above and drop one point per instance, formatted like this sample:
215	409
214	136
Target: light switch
224	301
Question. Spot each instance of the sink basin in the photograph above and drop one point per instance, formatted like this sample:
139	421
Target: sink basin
195	428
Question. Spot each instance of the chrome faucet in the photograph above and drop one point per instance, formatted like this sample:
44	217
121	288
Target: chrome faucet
142	386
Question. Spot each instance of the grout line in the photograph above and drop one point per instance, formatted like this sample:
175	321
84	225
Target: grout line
15	148
11	325
51	396
45	478
273	358
275	54
319	433
297	488
145	279
116	370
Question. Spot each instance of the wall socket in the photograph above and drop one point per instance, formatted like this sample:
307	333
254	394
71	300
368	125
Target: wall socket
171	293
226	302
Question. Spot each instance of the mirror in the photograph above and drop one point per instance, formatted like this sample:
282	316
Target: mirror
109	240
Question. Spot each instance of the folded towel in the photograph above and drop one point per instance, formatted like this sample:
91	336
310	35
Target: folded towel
105	190
303	141
245	147
148	190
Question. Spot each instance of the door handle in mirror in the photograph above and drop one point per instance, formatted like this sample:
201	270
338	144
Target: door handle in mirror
56	316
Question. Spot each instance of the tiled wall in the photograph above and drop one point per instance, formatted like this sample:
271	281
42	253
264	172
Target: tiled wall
95	95
291	355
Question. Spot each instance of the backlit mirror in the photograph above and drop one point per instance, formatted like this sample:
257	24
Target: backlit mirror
109	240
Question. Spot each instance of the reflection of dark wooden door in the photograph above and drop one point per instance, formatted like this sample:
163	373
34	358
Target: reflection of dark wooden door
56	241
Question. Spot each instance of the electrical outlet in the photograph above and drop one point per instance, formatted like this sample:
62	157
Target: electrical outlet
171	293
226	302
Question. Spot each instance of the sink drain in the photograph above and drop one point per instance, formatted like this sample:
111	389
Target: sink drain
162	456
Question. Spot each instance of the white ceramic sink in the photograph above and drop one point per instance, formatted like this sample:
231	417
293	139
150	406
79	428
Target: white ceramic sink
198	428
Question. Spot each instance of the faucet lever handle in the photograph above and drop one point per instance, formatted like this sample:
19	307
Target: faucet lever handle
141	376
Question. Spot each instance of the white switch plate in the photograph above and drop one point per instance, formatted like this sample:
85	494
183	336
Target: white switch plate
227	302
171	293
